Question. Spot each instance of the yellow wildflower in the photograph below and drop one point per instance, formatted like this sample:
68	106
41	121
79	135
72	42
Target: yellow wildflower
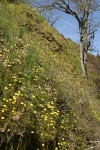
6	88
2	118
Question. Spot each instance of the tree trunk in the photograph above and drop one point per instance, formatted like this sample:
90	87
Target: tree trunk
83	59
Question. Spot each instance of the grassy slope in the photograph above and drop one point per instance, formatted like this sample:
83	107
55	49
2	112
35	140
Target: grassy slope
44	99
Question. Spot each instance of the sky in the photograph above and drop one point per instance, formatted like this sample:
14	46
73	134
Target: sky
67	25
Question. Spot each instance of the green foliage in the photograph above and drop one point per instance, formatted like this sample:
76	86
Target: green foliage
14	1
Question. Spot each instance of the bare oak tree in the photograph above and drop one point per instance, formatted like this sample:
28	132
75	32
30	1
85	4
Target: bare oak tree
82	11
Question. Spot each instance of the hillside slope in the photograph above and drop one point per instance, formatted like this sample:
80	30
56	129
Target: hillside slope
45	104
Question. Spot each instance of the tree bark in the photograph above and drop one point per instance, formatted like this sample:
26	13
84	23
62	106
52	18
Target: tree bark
83	59
83	46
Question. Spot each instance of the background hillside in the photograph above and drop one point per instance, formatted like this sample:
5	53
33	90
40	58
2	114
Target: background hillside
45	104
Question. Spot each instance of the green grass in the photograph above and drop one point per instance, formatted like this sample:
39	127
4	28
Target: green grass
45	104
